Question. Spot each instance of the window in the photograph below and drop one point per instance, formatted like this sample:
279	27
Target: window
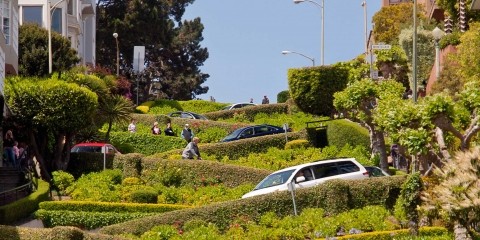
247	133
70	7
6	20
32	14
325	170
347	167
57	20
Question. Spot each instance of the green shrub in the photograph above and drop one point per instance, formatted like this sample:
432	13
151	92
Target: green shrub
212	135
97	186
142	109
24	207
299	143
312	88
143	196
62	180
147	143
71	233
426	233
194	224
333	196
249	112
125	148
129	164
342	132
283	96
90	206
162	232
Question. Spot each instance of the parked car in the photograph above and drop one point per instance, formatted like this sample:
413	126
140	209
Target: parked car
253	131
189	115
376	171
94	147
310	175
238	105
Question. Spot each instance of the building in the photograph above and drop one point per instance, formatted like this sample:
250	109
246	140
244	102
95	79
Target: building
73	19
9	40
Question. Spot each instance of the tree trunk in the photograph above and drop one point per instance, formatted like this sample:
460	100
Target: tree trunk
43	166
59	144
378	147
441	144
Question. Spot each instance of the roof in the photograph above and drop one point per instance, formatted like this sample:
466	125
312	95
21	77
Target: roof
92	144
314	163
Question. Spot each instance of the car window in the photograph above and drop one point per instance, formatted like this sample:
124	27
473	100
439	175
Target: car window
275	179
110	150
305	172
176	114
247	133
325	170
186	115
261	129
237	106
347	167
87	149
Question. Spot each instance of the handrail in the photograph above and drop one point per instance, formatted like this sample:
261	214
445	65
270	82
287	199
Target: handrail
14	194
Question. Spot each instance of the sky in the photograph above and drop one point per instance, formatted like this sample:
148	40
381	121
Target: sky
245	40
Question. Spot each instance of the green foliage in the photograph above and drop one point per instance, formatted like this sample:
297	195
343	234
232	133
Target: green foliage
201	106
162	106
283	96
143	196
342	132
87	162
162	232
97	187
312	89
62	180
249	112
410	198
467	57
33	53
147	143
299	143
89	206
24	207
331	196
426	233
130	164
357	68
211	135
72	233
450	39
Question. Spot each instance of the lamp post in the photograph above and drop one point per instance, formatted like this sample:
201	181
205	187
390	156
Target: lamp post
50	9
437	35
414	52
305	56
115	35
322	7
364	5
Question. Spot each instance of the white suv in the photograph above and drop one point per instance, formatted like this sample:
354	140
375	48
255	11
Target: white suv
309	175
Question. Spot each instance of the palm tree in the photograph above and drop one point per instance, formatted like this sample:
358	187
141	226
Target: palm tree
456	195
114	108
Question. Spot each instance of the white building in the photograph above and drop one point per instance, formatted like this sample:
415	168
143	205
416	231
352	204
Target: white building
74	19
8	40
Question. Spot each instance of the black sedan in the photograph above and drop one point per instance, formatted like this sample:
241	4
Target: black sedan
189	115
253	131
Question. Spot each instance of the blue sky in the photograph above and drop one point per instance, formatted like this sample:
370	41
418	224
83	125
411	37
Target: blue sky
245	39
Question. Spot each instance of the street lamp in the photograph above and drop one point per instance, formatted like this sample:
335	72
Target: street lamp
115	35
322	7
305	56
50	9
437	35
364	5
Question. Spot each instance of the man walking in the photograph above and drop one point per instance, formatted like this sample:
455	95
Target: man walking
187	133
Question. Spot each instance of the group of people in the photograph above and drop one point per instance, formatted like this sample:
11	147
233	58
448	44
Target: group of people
265	100
12	150
191	151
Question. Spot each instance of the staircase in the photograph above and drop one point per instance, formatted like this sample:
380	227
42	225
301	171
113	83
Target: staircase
10	179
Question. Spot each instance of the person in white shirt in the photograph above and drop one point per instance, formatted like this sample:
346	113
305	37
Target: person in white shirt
191	151
131	127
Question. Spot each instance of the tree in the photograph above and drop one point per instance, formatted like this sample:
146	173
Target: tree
390	20
173	53
358	102
33	51
50	112
114	108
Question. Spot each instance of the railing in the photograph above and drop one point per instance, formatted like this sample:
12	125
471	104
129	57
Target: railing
13	195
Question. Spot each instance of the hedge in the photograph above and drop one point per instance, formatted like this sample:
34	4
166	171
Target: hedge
436	232
64	233
87	206
24	207
241	148
147	144
334	196
86	220
249	112
130	164
341	132
227	174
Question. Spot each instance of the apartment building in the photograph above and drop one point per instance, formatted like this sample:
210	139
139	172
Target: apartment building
429	7
74	19
9	40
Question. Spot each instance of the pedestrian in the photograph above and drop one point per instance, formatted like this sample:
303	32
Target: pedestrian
168	130
16	150
187	133
131	127
155	129
265	100
251	100
191	151
8	144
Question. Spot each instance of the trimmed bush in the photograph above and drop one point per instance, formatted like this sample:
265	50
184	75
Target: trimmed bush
130	164
299	143
155	171
62	180
24	207
222	214
66	233
147	144
248	112
143	196
437	233
283	96
88	206
341	132
239	148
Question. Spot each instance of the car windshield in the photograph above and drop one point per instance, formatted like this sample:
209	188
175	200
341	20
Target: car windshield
227	107
97	149
275	179
233	135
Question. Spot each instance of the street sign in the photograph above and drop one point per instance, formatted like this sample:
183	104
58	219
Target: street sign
381	47
375	74
138	58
